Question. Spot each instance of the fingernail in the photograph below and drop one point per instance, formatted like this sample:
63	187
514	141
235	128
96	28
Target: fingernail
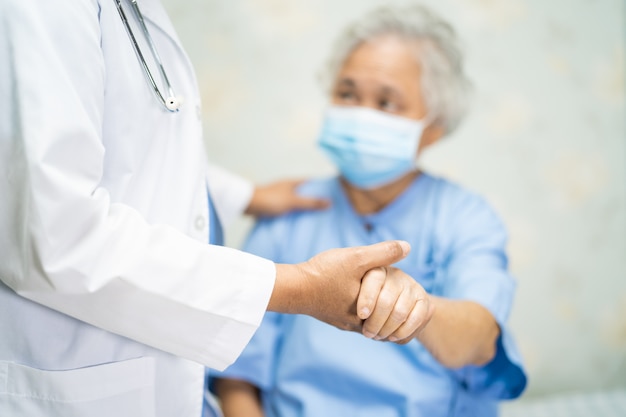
393	339
368	334
406	247
365	313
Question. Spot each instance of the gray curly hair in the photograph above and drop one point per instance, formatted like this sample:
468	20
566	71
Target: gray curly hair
443	81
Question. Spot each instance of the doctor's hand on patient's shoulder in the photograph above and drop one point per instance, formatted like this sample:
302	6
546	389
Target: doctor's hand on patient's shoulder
327	287
281	197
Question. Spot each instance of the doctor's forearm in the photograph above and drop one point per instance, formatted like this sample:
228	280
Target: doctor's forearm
460	333
286	296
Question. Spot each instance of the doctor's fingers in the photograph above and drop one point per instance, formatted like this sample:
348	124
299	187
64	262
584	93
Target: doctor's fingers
307	203
281	197
299	202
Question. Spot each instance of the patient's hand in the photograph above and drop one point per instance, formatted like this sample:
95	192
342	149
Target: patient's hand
402	307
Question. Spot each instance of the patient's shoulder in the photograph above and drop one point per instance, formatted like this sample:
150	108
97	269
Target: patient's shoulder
452	198
319	187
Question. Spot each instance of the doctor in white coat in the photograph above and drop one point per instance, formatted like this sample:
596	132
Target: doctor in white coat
111	300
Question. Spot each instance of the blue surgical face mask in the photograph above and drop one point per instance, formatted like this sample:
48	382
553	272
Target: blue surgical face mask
371	148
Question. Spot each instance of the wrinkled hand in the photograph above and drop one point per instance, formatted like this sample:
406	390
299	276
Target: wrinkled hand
281	197
402	308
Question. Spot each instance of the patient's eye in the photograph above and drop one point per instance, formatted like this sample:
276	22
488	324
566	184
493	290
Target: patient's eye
390	100
346	92
388	105
346	96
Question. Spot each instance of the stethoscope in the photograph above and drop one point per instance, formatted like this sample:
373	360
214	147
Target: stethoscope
171	103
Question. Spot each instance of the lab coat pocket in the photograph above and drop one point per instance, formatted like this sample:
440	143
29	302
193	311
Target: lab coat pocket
120	389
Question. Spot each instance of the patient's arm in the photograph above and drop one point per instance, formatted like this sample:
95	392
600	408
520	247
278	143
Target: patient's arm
459	333
238	398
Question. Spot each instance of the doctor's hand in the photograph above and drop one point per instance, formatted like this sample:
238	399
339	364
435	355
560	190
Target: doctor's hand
281	197
328	285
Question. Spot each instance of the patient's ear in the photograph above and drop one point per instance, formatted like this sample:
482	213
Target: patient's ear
430	136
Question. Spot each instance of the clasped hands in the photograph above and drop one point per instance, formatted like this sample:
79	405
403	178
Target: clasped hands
355	289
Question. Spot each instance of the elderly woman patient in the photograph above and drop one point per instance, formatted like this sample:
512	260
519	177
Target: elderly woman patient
397	87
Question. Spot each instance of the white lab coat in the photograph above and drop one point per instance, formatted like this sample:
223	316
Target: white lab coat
104	220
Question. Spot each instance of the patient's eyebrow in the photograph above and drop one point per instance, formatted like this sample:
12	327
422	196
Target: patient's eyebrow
390	91
346	82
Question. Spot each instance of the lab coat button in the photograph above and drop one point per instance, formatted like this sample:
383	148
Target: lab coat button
200	223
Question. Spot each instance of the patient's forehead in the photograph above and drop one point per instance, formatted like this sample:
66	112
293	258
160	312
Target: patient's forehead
384	64
387	56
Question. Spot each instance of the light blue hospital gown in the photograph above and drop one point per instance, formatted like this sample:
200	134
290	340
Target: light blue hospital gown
306	368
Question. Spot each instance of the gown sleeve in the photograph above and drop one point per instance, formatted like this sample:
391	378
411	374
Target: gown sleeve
475	268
